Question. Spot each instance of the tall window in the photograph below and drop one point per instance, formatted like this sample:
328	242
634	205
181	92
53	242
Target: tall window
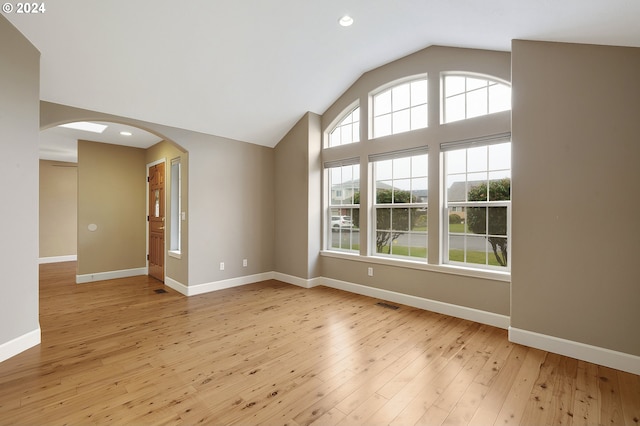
344	207
478	199
400	109
467	97
400	206
347	130
175	206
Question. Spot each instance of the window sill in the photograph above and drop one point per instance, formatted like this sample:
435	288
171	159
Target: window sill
175	254
444	269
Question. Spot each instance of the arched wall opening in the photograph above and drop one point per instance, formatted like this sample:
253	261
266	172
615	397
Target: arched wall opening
111	203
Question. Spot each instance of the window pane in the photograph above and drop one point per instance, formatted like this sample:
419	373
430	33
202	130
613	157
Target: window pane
457	187
382	103
400	219
457	219
383	241
419	165
384	170
400	97
500	189
418	245
384	192
401	121
418	219
383	219
334	138
499	98
477	187
498	254
418	92
476	250
419	118
454	85
456	161
497	221
419	190
477	103
382	126
500	156
477	159
402	168
346	134
455	108
355	135
475	83
356	115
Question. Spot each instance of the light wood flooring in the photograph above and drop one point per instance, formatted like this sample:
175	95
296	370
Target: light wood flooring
117	352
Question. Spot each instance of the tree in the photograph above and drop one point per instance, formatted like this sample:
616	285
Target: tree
390	226
499	190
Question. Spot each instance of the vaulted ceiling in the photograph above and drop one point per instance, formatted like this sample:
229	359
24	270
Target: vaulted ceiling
249	69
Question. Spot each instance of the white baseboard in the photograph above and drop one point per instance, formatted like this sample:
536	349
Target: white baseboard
193	290
57	259
483	317
176	285
581	351
300	282
19	344
110	275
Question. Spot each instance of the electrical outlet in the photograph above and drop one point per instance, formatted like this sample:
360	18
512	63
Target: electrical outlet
244	262
222	266
370	271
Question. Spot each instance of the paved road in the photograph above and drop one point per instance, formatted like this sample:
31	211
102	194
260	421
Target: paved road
474	243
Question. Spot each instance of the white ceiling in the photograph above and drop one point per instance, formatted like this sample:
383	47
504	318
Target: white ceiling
61	144
249	69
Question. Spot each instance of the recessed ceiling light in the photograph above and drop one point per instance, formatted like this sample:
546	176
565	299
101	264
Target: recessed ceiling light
86	126
346	21
123	133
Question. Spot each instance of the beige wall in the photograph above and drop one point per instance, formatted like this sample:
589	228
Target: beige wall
58	208
297	201
19	97
488	295
111	195
176	269
576	156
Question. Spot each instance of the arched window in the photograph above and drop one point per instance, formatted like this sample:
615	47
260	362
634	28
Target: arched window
468	96
400	108
347	130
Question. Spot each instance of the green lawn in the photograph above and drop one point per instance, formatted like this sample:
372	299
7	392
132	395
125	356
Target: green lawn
472	257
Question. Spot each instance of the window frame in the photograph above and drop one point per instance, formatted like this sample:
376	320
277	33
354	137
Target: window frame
446	204
329	207
339	125
374	161
490	80
389	88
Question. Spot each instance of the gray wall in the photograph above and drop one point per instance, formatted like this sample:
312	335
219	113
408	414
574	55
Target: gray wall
576	170
19	89
230	197
111	195
298	211
58	208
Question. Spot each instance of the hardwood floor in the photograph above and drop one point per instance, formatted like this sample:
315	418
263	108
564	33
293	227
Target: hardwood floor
117	352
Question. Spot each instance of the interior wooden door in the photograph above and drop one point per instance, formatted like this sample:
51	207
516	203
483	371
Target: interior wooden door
156	221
